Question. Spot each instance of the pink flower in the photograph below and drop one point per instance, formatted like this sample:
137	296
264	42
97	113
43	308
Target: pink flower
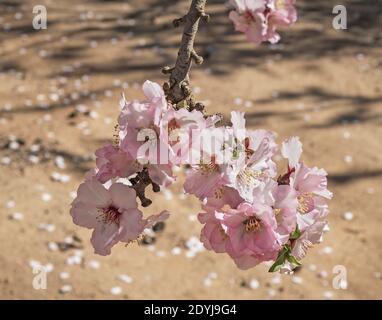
161	174
112	162
137	114
156	98
312	192
251	229
205	179
209	174
282	13
283	201
112	213
299	247
140	125
212	235
285	207
179	128
259	19
309	183
291	149
254	165
249	18
224	196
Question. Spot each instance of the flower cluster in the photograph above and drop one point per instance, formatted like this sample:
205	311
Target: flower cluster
259	19
254	217
250	212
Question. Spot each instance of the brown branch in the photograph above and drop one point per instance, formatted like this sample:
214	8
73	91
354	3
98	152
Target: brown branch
140	183
178	88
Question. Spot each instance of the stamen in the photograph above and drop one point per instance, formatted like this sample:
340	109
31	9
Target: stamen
109	215
247	176
248	16
278	216
116	135
208	168
173	125
304	202
252	225
219	193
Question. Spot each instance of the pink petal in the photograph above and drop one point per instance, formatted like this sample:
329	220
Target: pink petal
93	192
104	237
292	149
122	196
153	219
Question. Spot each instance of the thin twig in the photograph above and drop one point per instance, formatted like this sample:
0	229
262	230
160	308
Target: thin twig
178	89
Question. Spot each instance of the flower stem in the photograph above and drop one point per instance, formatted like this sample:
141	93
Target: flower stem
178	88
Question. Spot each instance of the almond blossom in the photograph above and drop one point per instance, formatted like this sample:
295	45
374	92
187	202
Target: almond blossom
111	213
140	129
248	213
309	183
259	19
113	162
251	229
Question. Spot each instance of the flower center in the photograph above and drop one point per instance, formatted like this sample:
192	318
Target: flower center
280	4
109	215
304	202
208	168
252	225
278	215
219	193
248	176
173	125
248	16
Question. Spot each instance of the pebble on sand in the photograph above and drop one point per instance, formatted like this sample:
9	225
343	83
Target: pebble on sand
348	159
46	197
176	251
52	246
254	284
16	216
327	250
297	280
64	275
328	295
348	216
66	289
94	264
207	282
5	161
125	278
10	204
46	227
116	290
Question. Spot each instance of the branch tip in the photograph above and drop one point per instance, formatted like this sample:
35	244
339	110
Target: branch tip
198	59
167	70
177	22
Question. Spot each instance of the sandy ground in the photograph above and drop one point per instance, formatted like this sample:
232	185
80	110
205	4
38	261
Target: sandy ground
320	84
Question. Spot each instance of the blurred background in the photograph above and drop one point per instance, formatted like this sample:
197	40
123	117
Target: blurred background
59	94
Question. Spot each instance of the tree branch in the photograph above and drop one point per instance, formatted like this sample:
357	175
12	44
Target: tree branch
140	183
177	89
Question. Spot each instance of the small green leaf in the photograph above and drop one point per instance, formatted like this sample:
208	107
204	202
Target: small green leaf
295	234
283	254
293	260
